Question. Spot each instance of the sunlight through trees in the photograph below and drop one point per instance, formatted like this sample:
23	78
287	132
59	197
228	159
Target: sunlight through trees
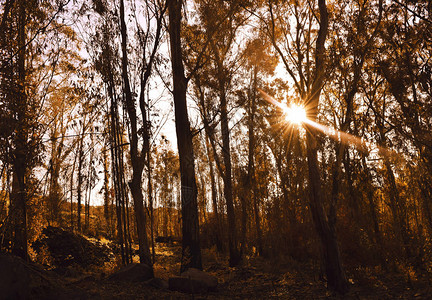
274	130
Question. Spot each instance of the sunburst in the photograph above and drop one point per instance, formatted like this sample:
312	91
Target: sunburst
295	114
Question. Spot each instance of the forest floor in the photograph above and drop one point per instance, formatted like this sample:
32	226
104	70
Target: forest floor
255	278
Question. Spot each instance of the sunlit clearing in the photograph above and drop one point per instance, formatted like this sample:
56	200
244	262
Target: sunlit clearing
295	114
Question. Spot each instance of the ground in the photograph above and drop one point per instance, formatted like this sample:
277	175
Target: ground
256	278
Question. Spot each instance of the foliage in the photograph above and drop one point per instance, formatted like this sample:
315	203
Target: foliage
86	92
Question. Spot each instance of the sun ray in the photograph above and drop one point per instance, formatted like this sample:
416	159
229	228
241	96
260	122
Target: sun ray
296	115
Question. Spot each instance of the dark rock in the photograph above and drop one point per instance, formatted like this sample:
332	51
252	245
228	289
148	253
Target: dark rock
193	281
20	280
133	273
164	239
84	279
187	285
157	283
209	280
66	271
14	278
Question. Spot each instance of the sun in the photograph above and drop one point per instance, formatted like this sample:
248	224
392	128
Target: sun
295	114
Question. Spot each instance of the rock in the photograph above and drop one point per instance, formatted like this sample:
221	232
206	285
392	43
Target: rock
164	239
14	278
66	271
209	280
187	285
133	273
157	283
20	280
85	279
193	281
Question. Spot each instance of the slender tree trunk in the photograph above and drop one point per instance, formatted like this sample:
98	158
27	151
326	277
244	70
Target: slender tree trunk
244	216
118	180
80	180
137	159
373	210
426	193
150	195
71	193
107	196
235	255
336	278
88	193
398	210
191	252
253	195
202	204
356	211
218	239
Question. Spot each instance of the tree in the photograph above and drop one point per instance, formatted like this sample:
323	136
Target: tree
308	76
23	47
191	252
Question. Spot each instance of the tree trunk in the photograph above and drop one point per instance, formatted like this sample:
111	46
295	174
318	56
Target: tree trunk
333	267
80	180
107	194
71	193
426	193
137	159
118	175
19	212
191	252
88	193
150	195
218	239
373	210
336	279
19	192
235	255
253	195
398	210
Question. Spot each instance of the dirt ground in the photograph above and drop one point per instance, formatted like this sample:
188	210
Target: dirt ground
256	278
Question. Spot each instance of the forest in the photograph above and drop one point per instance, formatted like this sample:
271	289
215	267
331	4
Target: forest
215	149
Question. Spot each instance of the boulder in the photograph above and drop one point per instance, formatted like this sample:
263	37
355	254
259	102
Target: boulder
209	280
187	285
193	281
14	278
157	283
66	271
133	273
164	239
21	280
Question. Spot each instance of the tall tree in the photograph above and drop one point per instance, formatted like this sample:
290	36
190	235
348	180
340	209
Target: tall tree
333	266
191	251
19	161
308	75
137	158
